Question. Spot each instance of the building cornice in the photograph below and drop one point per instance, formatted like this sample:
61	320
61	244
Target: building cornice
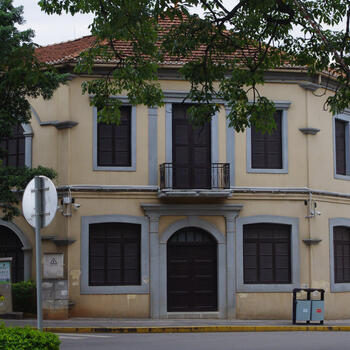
232	190
190	209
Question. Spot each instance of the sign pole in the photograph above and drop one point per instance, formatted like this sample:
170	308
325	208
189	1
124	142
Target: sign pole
39	205
38	224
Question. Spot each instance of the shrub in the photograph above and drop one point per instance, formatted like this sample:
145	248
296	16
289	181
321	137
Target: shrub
24	297
27	339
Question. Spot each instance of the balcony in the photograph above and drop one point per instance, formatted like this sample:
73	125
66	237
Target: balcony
196	181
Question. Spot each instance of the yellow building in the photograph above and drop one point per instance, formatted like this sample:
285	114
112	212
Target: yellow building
160	220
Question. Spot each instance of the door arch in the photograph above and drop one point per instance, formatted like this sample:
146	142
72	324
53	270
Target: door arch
159	304
11	246
192	271
13	243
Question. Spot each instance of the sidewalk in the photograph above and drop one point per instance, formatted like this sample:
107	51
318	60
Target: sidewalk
113	325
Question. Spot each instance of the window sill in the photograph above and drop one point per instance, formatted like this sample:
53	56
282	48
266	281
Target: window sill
340	287
267	171
266	288
342	177
143	289
115	168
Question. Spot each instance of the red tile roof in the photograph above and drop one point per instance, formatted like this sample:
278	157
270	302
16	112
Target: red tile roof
64	52
68	52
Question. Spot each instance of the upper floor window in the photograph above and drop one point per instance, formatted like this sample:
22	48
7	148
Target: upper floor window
266	253
267	148
114	146
114	254
14	148
341	145
114	141
268	152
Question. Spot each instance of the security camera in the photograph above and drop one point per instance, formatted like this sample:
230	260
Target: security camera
76	205
318	213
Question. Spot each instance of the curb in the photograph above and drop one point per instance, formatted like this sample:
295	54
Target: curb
197	329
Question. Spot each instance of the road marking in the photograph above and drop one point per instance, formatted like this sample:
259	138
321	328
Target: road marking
70	338
81	336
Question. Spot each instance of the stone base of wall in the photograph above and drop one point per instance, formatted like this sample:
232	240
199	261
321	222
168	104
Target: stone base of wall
55	299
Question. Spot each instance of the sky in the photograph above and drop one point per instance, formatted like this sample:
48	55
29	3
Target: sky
51	29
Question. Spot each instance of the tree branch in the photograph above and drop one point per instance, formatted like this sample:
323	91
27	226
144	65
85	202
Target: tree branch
318	31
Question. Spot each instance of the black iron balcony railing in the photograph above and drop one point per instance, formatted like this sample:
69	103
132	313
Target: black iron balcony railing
215	176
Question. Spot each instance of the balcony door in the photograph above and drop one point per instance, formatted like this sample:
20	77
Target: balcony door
191	151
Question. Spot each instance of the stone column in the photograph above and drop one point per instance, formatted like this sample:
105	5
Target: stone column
152	146
231	264
154	265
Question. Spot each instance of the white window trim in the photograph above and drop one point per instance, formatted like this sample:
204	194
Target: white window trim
133	140
346	118
294	241
280	106
85	288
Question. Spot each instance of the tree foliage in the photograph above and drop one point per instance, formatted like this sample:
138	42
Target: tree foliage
241	43
21	76
12	181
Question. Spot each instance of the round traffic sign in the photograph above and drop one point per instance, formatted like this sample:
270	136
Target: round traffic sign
49	205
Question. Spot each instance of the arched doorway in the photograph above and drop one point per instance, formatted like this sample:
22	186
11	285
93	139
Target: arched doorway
192	271
11	246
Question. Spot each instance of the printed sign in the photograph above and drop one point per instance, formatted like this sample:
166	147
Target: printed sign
53	265
5	272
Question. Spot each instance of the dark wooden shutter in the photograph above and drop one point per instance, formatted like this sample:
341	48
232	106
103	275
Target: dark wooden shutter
191	151
14	148
114	141
114	254
341	239
266	253
267	148
340	146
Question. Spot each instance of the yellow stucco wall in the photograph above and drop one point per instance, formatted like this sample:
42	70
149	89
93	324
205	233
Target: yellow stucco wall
310	158
310	164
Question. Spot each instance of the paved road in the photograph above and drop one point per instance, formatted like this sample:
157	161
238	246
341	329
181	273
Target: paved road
209	341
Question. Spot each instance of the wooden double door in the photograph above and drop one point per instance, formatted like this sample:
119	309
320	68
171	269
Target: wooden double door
191	151
192	271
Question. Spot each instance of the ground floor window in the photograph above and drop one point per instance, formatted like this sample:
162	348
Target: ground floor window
266	253
341	241
114	254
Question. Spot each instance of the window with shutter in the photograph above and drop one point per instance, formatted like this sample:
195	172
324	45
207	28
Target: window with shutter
114	254
267	253
341	240
114	141
266	149
341	143
13	149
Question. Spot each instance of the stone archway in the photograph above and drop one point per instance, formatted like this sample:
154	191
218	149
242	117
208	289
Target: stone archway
195	222
21	240
226	249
